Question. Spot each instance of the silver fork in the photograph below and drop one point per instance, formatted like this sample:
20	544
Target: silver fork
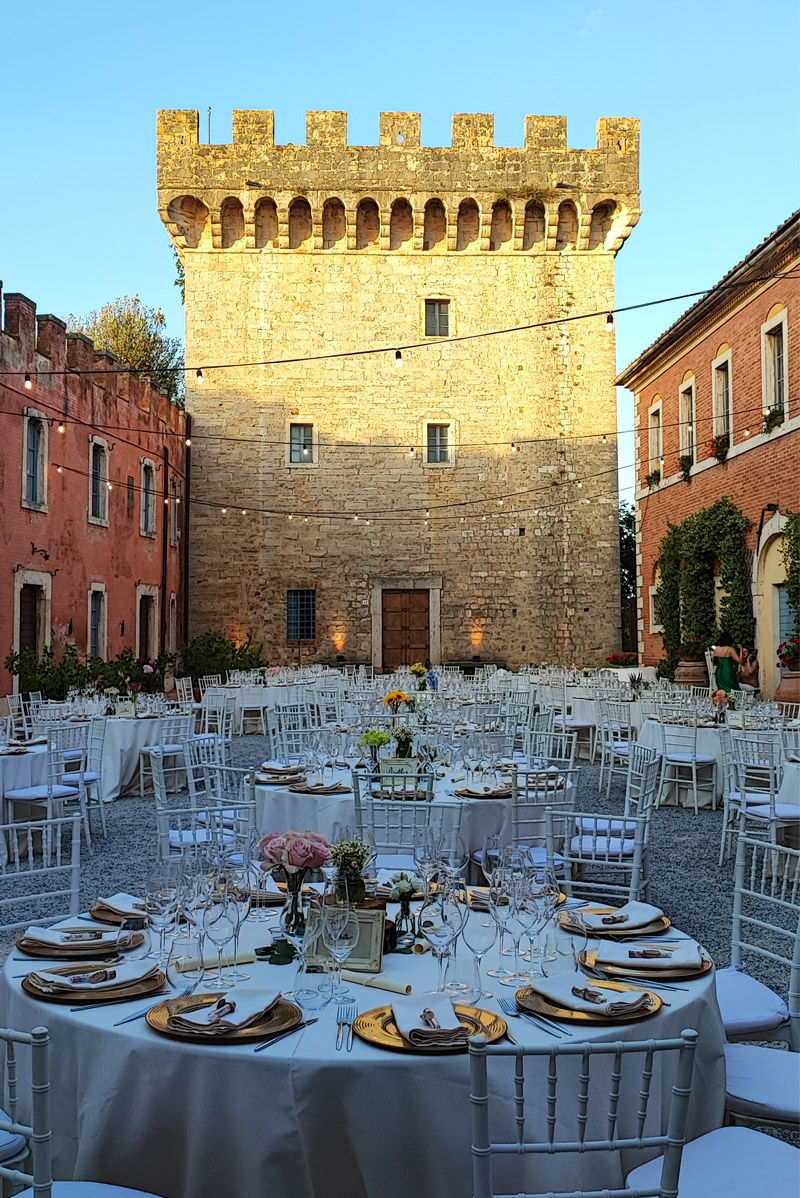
341	1015
509	1008
350	1012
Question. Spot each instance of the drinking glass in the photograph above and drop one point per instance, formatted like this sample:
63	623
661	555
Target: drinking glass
440	921
185	962
340	932
127	934
238	889
162	893
219	924
517	917
426	857
493	850
479	934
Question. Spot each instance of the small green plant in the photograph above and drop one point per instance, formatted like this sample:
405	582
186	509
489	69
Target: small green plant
720	446
773	419
652	479
215	653
685	463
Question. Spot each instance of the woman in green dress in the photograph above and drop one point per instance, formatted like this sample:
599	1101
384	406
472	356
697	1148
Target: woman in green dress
726	663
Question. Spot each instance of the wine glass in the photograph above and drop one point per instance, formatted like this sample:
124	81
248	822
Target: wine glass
238	889
161	899
479	934
426	856
491	860
127	937
220	918
440	921
517	916
340	931
185	963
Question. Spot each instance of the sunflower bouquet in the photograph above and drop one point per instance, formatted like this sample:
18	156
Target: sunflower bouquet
396	699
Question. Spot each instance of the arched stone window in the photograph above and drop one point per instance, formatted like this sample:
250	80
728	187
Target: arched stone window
190	216
533	232
334	225
368	225
299	224
602	220
468	228
502	226
231	218
401	228
567	233
435	231
266	223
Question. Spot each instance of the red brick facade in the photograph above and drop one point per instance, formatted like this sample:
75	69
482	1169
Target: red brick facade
728	337
66	532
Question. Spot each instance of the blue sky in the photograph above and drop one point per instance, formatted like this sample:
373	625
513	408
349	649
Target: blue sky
714	83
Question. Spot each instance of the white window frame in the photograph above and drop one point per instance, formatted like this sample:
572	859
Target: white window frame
146	512
174	507
44	449
686	428
654	459
653	624
451	316
724	360
34	578
97	588
767	372
102	519
147	590
451	443
313	458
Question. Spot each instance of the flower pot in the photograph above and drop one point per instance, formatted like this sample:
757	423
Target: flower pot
789	689
692	673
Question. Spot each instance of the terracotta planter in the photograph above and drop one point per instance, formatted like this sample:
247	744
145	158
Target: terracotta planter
789	688
692	673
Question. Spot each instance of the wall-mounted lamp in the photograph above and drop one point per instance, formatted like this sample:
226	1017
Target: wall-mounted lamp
769	507
122	628
69	628
34	551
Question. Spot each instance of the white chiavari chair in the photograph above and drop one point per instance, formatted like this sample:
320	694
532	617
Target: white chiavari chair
171	733
593	864
39	871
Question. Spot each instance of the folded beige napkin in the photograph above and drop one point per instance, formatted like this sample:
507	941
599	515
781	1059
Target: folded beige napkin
69	938
278	779
561	987
239	1008
375	981
103	979
243	957
282	771
793	757
683	954
317	788
126	905
12	752
421	947
484	792
631	916
428	1021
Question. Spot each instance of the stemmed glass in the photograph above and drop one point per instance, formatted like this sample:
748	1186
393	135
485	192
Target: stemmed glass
517	916
340	931
426	855
238	889
185	963
491	860
162	894
220	918
479	934
440	921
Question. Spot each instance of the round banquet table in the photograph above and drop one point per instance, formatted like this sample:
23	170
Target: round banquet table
200	1120
279	809
125	738
708	745
20	770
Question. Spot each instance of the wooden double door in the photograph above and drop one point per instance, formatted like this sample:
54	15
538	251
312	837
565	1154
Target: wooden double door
406	627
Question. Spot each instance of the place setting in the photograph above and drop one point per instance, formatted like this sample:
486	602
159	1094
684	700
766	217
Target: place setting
104	983
429	1023
632	919
223	1017
270	773
70	943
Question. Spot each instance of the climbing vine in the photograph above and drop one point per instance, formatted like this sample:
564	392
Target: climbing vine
791	561
688	557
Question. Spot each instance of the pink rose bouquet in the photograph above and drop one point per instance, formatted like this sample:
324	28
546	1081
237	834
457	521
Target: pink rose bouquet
294	851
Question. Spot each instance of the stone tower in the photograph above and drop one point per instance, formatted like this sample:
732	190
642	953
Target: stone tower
463	506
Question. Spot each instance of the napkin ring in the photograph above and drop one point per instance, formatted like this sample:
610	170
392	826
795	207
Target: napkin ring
609	919
430	1020
588	995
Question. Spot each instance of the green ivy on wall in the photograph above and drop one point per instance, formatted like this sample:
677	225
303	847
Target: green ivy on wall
791	561
688	555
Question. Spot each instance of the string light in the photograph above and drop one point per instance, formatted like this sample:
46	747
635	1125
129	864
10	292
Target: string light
290	517
224	510
605	439
199	377
610	321
244	511
427	511
580	485
110	486
28	383
59	470
411	451
62	428
188	441
514	447
398	359
305	519
747	432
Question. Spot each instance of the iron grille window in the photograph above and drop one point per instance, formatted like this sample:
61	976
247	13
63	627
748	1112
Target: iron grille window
301	615
438	443
437	318
301	443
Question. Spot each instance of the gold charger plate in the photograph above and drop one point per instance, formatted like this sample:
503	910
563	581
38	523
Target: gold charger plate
12	752
639	968
530	1000
617	930
146	986
282	1016
76	952
378	1027
464	792
106	915
271	780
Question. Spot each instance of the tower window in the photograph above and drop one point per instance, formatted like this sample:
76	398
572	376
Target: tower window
438	443
301	615
301	444
437	318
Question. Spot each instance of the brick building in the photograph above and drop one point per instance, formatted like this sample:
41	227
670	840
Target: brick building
462	507
92	475
730	366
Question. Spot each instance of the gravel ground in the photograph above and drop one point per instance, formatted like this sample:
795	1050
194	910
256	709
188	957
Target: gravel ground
684	848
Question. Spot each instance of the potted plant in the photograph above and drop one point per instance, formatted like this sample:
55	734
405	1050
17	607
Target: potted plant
652	479
719	446
773	418
789	660
685	463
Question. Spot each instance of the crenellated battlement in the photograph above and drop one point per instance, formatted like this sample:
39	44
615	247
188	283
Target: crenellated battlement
397	195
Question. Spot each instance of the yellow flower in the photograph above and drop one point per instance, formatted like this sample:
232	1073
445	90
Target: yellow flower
395	698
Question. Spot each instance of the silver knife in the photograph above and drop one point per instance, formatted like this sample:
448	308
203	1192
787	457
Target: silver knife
289	1032
140	1014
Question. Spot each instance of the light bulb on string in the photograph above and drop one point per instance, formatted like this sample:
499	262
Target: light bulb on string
514	447
411	451
747	432
355	519
59	470
290	517
110	486
605	439
244	511
28	382
305	519
610	321
224	510
580	485
62	428
188	441
398	359
199	377
427	511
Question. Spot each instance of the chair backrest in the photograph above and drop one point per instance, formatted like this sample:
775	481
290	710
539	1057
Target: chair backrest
766	913
174	729
791	743
41	871
37	1132
641	786
223	821
572	1117
62	738
679	738
712	669
392	822
97	736
532	791
758	764
597	863
184	690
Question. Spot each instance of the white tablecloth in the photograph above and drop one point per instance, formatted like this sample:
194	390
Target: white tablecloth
790	786
23	769
124	740
205	1121
708	745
